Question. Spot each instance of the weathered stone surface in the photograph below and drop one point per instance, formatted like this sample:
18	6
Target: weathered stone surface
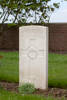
33	55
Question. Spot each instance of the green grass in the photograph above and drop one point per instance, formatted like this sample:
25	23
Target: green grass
9	66
57	70
5	95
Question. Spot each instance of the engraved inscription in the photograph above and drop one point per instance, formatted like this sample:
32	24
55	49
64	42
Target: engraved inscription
32	53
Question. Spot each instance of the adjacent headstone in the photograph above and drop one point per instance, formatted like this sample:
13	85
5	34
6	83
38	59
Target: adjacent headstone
33	56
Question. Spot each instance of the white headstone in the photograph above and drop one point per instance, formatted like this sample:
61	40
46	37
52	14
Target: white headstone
33	56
